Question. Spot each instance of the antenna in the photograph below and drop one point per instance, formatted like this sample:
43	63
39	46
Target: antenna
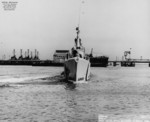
80	8
77	39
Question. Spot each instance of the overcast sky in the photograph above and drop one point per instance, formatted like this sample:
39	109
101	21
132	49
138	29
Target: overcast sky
109	26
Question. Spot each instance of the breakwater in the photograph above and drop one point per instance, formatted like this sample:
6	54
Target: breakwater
30	62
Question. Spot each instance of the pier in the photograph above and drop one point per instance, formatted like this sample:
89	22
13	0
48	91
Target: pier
129	63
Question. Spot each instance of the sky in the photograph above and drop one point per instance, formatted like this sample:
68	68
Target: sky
110	27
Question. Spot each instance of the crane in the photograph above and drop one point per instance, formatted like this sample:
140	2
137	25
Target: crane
126	53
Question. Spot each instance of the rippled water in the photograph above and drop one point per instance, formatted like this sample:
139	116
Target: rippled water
39	94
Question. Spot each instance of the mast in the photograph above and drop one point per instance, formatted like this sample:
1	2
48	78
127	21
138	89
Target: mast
80	8
78	43
77	38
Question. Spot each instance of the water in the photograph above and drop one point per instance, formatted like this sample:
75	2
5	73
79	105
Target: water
39	94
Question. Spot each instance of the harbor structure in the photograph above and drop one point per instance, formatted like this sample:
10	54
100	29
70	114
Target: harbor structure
28	55
14	55
36	55
60	56
128	62
98	61
21	56
21	60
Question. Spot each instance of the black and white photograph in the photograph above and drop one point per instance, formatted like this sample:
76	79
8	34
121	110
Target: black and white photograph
74	60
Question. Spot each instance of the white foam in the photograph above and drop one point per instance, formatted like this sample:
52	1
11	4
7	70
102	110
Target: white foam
21	79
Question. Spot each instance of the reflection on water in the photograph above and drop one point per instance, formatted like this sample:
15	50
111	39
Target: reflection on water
113	93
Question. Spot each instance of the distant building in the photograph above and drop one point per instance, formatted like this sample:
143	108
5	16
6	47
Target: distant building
60	56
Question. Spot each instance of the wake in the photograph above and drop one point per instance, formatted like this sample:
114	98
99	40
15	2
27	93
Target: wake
40	80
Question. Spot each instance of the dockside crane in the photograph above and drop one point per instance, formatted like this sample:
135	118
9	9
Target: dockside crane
91	54
14	55
126	53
